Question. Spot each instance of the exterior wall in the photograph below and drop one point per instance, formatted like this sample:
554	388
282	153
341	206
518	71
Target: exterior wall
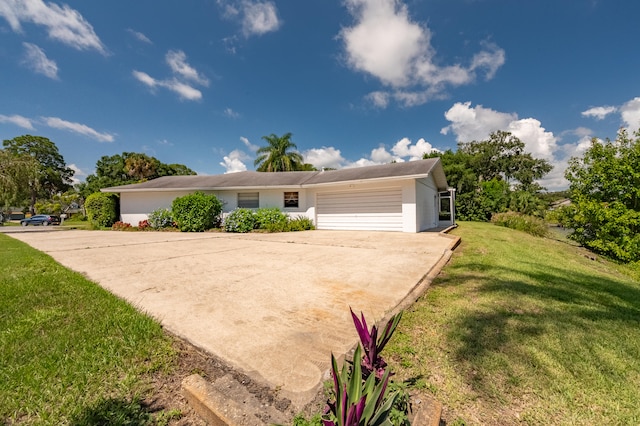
136	206
426	204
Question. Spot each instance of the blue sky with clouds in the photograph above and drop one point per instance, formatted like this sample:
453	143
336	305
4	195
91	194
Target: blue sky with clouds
357	82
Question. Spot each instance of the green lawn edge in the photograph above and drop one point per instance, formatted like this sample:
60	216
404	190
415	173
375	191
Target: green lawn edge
72	353
524	330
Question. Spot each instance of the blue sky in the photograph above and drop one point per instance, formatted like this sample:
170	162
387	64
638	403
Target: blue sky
357	82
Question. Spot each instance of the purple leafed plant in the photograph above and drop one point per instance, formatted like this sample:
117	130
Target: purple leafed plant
373	344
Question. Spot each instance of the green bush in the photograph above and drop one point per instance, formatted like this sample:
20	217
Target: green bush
271	219
240	220
161	218
529	224
196	212
102	209
300	223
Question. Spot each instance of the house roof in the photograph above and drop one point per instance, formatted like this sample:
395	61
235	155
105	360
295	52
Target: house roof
250	179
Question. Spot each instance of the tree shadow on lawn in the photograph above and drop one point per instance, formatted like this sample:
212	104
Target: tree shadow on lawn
546	317
115	411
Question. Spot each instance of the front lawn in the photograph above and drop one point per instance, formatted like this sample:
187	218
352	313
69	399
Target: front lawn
71	353
525	330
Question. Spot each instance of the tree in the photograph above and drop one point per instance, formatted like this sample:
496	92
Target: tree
278	156
18	173
53	174
126	168
492	176
605	195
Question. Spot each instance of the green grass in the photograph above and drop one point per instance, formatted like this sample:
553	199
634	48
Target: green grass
71	353
525	330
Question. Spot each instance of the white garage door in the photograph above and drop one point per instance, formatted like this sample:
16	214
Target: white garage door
377	210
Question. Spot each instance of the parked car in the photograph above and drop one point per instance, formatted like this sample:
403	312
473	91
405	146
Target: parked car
41	219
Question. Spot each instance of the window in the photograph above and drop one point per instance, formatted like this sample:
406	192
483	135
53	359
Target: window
248	200
290	199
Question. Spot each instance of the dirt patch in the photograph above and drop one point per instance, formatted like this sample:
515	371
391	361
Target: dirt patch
166	394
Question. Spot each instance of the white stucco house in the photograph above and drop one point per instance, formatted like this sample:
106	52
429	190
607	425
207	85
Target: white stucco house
406	197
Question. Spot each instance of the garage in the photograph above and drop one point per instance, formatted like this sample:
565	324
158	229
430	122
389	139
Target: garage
377	209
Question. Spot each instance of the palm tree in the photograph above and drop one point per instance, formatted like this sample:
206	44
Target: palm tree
278	156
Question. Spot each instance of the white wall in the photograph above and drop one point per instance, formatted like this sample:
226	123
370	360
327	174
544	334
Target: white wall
136	206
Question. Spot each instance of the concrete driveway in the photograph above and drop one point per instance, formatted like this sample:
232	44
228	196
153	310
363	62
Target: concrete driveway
272	305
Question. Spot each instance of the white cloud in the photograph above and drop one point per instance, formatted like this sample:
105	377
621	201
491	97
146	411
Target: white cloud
78	174
58	123
145	78
252	147
537	141
179	83
234	162
600	112
630	113
380	155
63	23
177	61
256	17
259	18
386	43
404	148
231	113
475	123
37	60
329	157
378	99
183	90
139	36
18	120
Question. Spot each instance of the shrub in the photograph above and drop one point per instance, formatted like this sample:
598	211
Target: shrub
300	223
102	209
271	219
529	224
121	226
240	220
161	218
143	224
196	212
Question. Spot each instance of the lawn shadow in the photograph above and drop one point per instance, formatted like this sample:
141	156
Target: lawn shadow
541	300
114	411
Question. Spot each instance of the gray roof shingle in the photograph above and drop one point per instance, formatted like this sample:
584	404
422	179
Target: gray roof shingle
251	179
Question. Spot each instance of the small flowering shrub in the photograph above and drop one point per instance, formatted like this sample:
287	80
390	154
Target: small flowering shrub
143	225
161	218
121	226
271	219
240	220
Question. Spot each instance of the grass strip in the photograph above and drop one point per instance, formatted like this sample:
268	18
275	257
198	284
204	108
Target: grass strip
525	330
69	350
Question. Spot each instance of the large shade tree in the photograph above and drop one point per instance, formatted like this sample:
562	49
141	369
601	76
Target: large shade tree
494	175
126	168
18	173
605	196
279	155
53	174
